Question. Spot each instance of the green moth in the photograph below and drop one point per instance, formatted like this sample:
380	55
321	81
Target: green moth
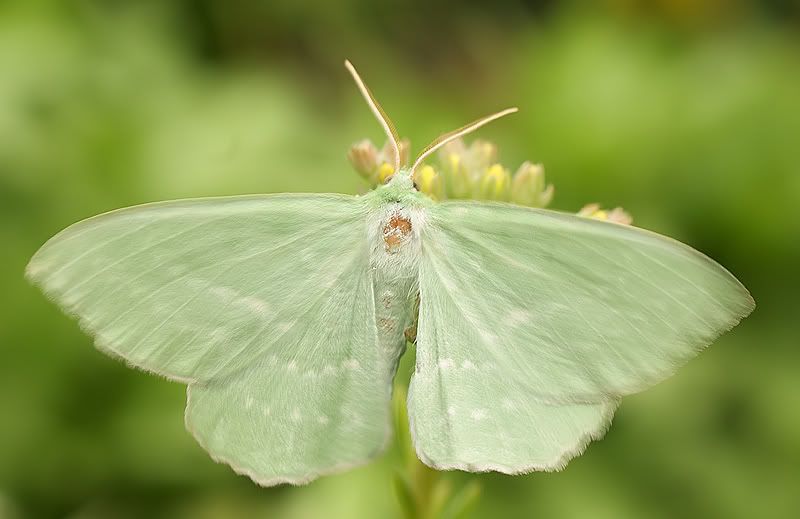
287	314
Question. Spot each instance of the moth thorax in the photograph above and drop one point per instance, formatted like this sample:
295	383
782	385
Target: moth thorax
396	232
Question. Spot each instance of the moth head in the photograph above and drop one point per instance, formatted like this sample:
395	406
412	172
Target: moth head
402	179
400	188
395	174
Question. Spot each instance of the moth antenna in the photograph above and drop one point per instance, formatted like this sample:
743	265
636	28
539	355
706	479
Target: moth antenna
455	134
386	123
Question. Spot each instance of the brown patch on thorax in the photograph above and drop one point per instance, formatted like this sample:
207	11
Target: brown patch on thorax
395	232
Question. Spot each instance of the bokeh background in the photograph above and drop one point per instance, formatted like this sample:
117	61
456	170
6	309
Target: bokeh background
686	113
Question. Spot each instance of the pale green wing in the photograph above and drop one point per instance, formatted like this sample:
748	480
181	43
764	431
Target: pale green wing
316	406
191	289
469	419
527	314
264	304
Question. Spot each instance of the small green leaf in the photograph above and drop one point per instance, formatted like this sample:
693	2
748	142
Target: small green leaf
462	504
401	426
405	495
439	496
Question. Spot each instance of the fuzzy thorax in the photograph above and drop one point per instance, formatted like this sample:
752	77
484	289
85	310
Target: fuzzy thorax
400	189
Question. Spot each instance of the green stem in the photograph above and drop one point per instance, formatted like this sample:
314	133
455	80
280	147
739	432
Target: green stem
424	493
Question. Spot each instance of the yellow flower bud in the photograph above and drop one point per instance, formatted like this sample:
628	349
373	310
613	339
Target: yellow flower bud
429	182
617	215
528	187
384	172
589	210
456	177
494	184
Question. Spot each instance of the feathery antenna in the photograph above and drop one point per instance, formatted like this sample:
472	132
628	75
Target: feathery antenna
386	123
455	134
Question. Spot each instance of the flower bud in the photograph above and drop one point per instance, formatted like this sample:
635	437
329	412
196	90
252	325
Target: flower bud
429	182
385	170
363	156
619	215
481	155
494	184
457	181
589	210
616	215
528	187
386	154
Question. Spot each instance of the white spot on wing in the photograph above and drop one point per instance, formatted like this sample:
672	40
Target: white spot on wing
249	402
284	326
224	293
488	337
478	414
467	364
218	335
255	304
351	364
446	363
516	317
323	419
296	416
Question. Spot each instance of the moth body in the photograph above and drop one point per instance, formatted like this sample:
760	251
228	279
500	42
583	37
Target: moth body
394	226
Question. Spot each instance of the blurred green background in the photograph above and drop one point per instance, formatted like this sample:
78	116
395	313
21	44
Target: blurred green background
686	113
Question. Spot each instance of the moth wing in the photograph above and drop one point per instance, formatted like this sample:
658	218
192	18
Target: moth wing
470	422
263	304
533	323
193	289
318	406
